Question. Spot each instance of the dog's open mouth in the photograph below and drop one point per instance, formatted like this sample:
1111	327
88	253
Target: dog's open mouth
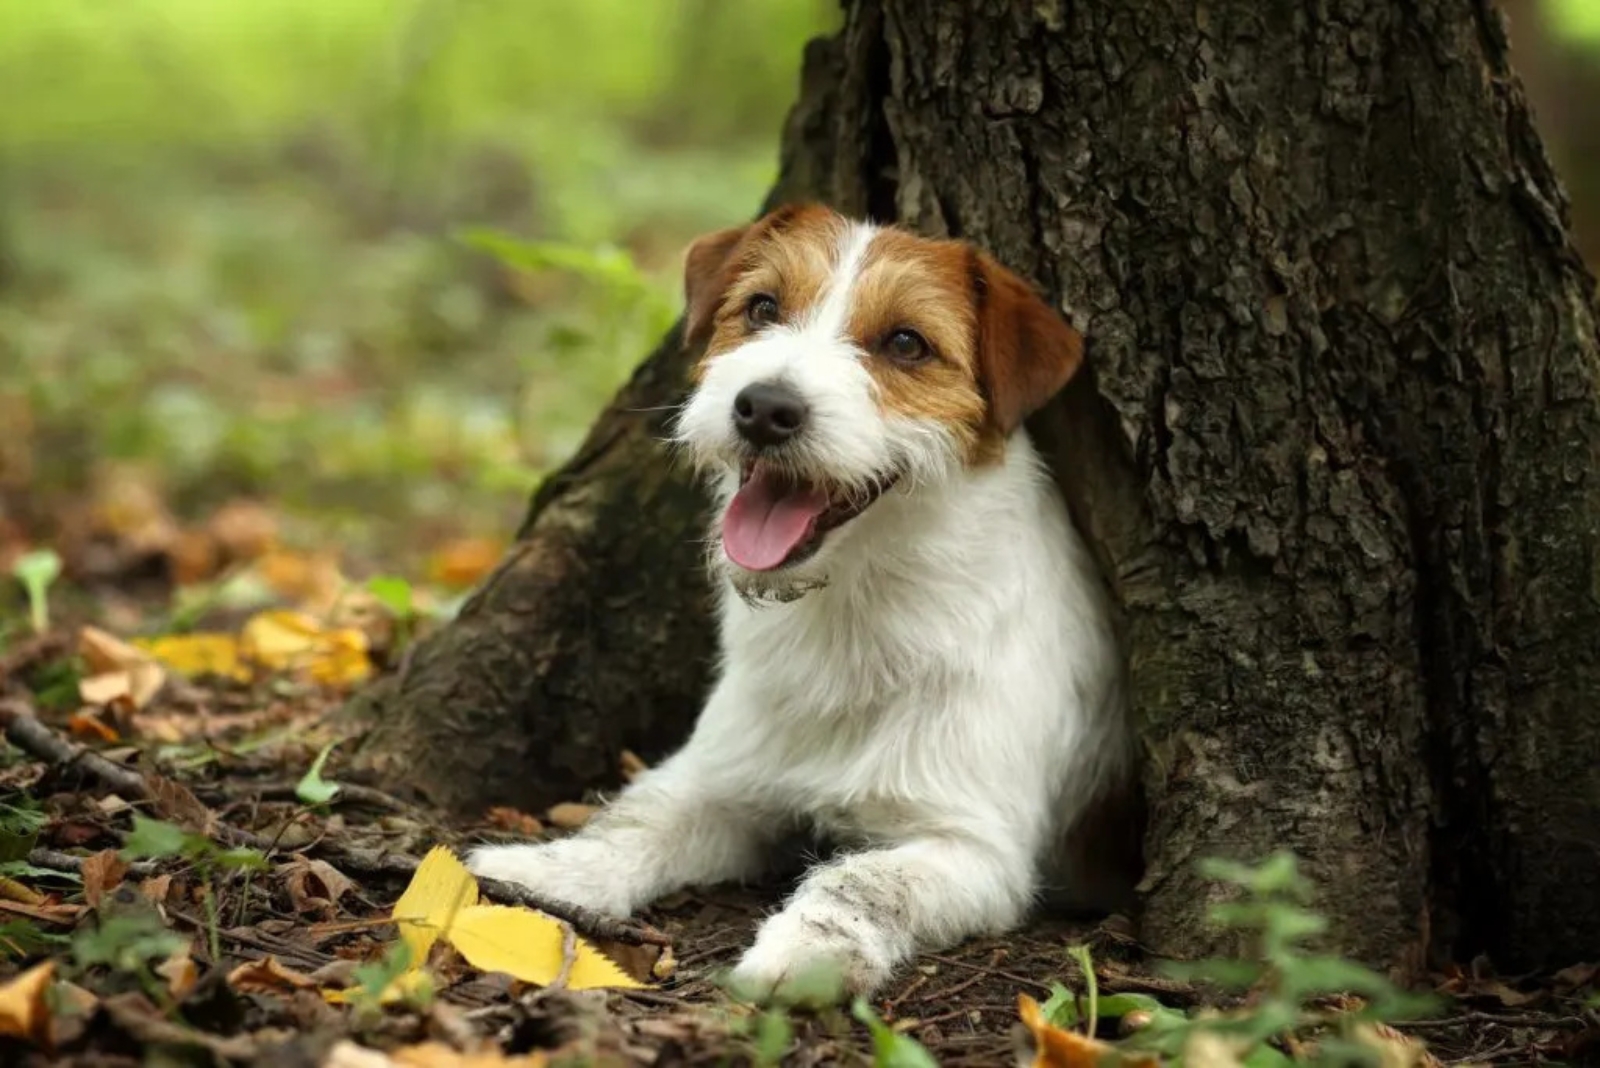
777	519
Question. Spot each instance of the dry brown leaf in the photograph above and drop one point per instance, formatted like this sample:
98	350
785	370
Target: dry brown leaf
180	972
511	819
175	802
128	508
195	557
1578	975
62	914
314	582
120	675
24	1009
102	873
570	815
243	529
314	885
268	976
464	561
156	888
85	724
438	1055
74	1006
1394	1048
346	1054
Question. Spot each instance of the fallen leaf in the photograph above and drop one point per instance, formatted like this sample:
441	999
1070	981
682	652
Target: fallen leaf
1394	1049
441	902
176	802
243	529
314	885
11	890
119	674
281	640
156	888
102	873
528	945
313	581
346	1054
180	972
1053	1047
511	819
86	724
440	888
1578	975
268	976
401	988
570	815
464	561
195	556
199	655
62	914
438	1055
74	1006
24	1012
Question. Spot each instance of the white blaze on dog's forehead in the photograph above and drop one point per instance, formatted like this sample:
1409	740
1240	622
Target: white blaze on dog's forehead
830	316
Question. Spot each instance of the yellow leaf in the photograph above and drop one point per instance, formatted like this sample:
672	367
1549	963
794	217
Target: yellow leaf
528	945
284	640
198	655
441	887
401	988
23	1012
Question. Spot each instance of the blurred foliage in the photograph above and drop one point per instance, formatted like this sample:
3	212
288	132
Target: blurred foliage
378	262
1577	21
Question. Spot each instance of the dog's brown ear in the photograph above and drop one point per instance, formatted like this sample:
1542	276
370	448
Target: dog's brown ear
1026	351
706	275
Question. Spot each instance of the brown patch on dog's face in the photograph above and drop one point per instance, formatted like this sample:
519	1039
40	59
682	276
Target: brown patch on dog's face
918	286
988	351
788	255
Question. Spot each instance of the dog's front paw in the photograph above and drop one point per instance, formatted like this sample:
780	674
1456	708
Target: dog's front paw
558	875
801	960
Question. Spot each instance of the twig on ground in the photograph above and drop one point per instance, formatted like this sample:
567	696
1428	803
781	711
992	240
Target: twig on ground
348	792
982	973
31	734
54	858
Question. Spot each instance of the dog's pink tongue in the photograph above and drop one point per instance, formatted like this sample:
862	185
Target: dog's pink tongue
767	519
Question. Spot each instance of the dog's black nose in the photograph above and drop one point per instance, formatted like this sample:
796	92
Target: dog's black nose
768	413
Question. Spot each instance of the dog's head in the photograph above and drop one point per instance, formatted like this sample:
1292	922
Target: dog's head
844	361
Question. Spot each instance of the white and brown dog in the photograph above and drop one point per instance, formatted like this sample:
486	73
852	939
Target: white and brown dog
918	658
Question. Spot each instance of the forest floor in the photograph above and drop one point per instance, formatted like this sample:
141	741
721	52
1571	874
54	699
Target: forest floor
190	868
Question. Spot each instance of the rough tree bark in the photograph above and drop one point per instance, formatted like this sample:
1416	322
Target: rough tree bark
1337	449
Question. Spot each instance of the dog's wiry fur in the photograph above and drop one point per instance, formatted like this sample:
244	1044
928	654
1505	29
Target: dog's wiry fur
936	686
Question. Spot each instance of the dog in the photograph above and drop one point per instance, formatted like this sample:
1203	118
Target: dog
918	658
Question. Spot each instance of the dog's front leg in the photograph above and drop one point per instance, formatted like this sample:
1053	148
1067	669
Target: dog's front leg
856	919
674	827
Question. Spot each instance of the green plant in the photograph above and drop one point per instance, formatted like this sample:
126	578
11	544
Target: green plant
127	940
37	571
1288	984
375	979
891	1049
313	789
156	839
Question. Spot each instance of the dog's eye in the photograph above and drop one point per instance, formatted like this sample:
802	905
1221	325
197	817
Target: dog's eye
761	311
907	346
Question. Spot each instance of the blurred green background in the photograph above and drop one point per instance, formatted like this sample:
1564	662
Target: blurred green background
237	251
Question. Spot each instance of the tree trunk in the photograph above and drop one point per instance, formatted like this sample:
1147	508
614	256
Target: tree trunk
1337	451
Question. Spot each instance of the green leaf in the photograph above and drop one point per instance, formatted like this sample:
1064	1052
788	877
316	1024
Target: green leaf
21	869
313	789
1116	1006
773	1035
1265	1056
890	1049
124	941
240	859
36	571
157	838
1227	974
394	593
26	938
1061	1007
